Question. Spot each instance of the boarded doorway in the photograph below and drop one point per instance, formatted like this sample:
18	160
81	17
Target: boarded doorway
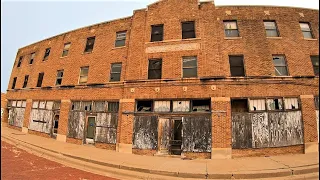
170	136
55	126
91	126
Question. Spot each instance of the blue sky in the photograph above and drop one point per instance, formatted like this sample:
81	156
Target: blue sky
24	22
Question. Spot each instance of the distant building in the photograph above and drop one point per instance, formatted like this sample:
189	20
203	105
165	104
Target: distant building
180	77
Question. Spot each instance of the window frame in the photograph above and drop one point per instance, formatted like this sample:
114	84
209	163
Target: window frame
310	30
57	77
153	69
89	46
154	34
32	57
40	77
19	61
14	82
66	49
46	54
120	39
316	73
190	67
81	68
276	28
243	65
186	31
111	72
285	61
25	82
225	30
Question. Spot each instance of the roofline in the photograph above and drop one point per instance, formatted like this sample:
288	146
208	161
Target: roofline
266	6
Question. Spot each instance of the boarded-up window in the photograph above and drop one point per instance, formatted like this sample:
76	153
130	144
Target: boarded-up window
106	128
90	44
161	106
271	28
35	104
32	57
115	73
83	75
144	106
236	65
315	64
40	79
181	106
275	104
231	29
49	105
99	106
145	132
201	105
316	102
42	104
86	106
75	105
19	103
291	103
188	30
59	77
306	30
190	67
155	67
257	104
14	82
280	65
157	32
14	103
66	49
25	82
19	61
46	54
121	39
113	106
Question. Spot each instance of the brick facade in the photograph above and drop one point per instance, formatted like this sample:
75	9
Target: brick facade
213	79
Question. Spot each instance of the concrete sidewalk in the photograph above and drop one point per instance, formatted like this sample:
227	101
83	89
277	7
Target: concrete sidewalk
246	168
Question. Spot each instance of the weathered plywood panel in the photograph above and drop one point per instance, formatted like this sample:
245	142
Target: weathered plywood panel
241	131
76	125
196	134
260	130
165	133
16	116
41	120
106	128
145	132
285	128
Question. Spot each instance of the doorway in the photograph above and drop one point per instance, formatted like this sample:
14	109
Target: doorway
91	126
176	141
55	125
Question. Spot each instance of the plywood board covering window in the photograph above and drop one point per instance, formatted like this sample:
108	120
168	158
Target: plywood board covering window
291	103
257	104
161	106
181	106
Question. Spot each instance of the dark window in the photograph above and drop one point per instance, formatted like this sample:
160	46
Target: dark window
32	58
90	44
231	28
59	77
115	73
189	67
40	78
236	65
14	82
155	66
46	54
201	105
280	66
86	105
271	28
239	105
316	102
188	30
315	63
25	82
306	30
66	49
83	75
144	106
121	39
20	61
156	32
113	106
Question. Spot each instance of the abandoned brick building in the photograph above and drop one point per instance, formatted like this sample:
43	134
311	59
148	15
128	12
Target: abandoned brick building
178	78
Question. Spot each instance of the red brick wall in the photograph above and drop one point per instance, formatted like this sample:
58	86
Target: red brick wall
74	141
148	152
309	119
105	146
39	133
297	149
194	155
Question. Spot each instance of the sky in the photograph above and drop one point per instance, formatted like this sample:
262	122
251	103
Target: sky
24	22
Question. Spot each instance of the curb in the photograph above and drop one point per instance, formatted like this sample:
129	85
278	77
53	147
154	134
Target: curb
233	175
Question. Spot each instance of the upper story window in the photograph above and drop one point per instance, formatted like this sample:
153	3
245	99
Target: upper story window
271	28
315	63
66	49
157	33
25	82
155	67
306	30
189	67
40	78
188	30
59	77
14	83
90	44
46	54
32	57
121	39
231	29
236	65
115	73
280	65
20	61
83	78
